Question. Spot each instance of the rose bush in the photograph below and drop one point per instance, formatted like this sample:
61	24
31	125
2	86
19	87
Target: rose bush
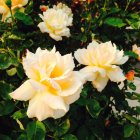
84	88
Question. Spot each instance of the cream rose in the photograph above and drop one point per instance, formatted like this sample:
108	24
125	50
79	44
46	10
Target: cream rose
101	62
56	21
52	84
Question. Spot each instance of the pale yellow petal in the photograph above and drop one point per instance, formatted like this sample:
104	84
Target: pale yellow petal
100	83
71	86
91	72
45	105
68	62
43	27
55	37
58	113
55	102
74	97
88	73
38	86
38	108
24	92
116	75
82	56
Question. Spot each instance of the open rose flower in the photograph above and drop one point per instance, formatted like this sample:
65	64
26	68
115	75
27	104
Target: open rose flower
101	62
56	21
52	84
136	50
5	10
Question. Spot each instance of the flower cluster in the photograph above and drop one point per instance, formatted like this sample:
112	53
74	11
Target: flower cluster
53	85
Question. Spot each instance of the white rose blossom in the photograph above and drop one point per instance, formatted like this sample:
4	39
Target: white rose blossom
52	84
56	21
101	62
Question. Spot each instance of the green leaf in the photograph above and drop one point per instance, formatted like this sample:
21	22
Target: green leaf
128	130
82	102
6	61
134	23
15	37
69	137
36	131
93	108
113	21
130	118
20	71
82	132
5	89
26	19
22	137
50	125
6	107
63	128
114	10
134	16
132	86
19	114
138	110
131	54
85	90
29	7
4	137
11	72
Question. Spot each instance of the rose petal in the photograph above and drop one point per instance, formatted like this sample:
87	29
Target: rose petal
24	92
39	109
100	83
116	75
43	27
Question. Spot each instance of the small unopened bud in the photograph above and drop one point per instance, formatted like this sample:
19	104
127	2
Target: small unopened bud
43	8
130	75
